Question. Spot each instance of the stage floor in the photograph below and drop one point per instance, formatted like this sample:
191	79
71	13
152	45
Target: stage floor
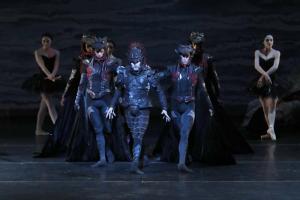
273	172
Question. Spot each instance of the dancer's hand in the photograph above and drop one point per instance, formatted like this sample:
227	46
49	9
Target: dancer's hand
260	82
268	78
92	94
165	115
58	77
50	77
110	113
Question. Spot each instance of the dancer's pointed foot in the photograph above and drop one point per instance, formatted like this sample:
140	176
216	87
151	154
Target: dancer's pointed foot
100	163
265	136
184	168
272	134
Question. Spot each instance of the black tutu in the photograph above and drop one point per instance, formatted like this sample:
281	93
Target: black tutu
278	88
265	90
38	84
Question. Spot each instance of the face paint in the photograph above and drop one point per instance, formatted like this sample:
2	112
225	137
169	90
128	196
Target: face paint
136	66
184	59
268	41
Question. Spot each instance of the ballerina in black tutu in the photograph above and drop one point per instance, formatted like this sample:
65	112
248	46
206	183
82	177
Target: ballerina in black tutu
57	142
265	86
46	82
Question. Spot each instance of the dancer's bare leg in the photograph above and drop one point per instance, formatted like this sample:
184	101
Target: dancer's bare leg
40	118
265	108
51	107
271	104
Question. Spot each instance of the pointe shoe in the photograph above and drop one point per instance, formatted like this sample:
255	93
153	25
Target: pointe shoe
265	136
184	168
271	132
100	163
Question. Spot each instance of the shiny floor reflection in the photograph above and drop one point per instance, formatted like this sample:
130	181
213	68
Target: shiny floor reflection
273	172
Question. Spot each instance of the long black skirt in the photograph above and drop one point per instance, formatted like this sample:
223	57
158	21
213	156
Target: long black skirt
82	145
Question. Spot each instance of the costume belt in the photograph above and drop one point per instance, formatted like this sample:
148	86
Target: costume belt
185	99
98	95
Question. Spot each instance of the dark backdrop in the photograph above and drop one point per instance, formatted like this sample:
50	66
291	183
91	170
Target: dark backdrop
234	30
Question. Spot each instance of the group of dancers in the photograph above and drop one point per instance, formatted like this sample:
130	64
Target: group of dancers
107	108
